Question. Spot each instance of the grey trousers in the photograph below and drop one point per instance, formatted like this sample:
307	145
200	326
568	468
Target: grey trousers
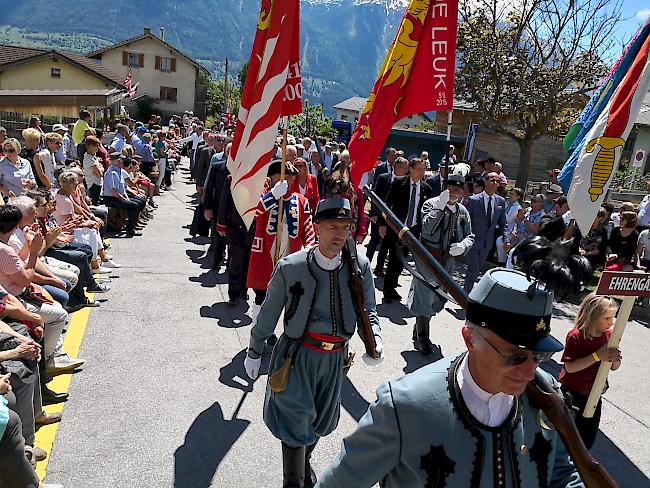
29	404
475	260
15	470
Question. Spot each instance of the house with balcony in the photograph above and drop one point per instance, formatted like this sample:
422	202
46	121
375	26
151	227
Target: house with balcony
171	78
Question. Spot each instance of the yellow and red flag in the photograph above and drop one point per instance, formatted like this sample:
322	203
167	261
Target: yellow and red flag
272	90
417	76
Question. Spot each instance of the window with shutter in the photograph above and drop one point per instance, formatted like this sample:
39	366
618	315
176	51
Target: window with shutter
133	60
125	58
174	94
163	92
173	64
157	62
141	60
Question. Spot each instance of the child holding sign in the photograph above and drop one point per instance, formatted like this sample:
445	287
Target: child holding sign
585	348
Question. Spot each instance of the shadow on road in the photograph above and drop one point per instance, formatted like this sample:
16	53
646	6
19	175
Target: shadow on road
210	279
227	316
415	359
352	401
206	444
197	257
234	375
394	311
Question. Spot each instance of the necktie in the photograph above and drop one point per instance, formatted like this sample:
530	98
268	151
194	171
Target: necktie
409	217
489	211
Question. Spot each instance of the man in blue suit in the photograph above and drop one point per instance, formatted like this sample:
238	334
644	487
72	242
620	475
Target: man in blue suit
488	216
386	166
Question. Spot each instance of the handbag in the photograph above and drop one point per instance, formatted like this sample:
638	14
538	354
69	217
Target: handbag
37	294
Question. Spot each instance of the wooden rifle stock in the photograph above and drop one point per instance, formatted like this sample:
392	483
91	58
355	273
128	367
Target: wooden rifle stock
544	397
539	390
355	283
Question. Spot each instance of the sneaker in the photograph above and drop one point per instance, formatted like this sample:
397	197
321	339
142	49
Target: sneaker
99	288
102	270
111	264
64	361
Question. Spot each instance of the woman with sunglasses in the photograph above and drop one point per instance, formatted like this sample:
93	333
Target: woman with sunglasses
16	173
45	161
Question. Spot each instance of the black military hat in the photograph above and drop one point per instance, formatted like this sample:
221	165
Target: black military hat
515	308
276	166
455	180
333	208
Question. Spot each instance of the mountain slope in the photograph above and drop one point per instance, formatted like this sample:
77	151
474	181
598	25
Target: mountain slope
343	42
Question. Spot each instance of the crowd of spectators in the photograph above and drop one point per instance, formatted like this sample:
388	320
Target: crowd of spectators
61	191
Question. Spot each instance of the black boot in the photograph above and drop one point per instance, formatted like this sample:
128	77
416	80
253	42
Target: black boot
293	466
310	476
421	335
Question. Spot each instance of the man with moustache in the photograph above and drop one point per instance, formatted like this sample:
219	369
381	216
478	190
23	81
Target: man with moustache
311	287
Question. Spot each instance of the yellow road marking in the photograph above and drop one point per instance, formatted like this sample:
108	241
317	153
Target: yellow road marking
61	384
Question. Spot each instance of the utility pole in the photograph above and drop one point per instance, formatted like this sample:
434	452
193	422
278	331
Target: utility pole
225	89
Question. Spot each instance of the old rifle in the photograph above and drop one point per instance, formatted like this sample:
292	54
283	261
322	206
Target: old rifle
355	283
539	390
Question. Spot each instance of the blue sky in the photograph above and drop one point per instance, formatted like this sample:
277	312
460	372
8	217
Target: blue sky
635	11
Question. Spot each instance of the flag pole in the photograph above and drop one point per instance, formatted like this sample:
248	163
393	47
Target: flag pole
450	115
278	234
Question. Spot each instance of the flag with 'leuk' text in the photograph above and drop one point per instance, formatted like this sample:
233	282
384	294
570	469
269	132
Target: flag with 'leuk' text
417	76
598	140
272	90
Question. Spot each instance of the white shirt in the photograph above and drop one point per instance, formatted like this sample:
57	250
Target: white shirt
644	212
303	189
486	198
325	262
644	240
489	409
417	200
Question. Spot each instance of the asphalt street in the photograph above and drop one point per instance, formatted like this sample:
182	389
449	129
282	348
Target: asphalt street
163	399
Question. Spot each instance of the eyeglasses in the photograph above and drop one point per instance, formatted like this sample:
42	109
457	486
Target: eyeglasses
59	143
518	359
9	150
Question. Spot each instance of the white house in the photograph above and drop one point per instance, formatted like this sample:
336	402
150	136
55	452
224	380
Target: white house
164	73
351	108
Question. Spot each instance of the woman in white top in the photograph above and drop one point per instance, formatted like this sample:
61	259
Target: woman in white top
87	231
45	163
514	215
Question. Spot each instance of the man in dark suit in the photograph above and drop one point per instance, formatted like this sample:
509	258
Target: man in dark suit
487	213
400	168
386	166
437	182
214	183
405	198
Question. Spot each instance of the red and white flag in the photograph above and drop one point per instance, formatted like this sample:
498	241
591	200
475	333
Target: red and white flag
129	87
272	90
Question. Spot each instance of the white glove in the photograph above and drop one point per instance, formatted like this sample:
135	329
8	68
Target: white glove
379	347
456	249
280	189
252	367
441	200
567	217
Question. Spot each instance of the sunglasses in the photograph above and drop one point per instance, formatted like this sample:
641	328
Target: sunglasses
58	143
519	359
9	150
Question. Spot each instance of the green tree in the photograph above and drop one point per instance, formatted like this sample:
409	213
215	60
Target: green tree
529	66
216	99
311	122
241	76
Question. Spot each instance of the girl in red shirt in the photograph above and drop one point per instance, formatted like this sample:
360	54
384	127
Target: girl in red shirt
585	348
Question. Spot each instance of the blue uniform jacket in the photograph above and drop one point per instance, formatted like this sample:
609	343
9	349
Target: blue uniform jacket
419	433
293	287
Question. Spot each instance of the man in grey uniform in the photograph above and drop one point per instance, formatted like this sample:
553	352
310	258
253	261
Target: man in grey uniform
466	421
446	233
303	394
